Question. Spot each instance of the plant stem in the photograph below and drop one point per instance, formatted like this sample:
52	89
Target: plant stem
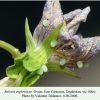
11	49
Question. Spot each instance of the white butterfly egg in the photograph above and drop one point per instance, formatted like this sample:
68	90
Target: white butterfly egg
53	43
45	22
86	65
40	71
62	61
79	64
44	68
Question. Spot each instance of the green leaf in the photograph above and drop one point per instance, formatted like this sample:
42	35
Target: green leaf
14	70
39	57
30	79
30	46
46	45
56	67
20	77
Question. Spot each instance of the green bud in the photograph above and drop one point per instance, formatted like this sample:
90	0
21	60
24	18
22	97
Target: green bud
38	57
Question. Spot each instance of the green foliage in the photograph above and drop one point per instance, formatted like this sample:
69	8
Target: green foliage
38	57
30	79
14	70
30	46
27	65
53	66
